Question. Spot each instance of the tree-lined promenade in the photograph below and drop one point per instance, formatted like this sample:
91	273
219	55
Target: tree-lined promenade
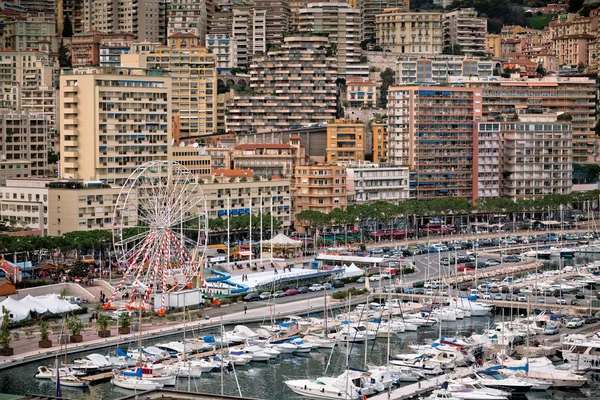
381	213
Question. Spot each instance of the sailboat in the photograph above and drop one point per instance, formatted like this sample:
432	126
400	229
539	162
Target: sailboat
68	379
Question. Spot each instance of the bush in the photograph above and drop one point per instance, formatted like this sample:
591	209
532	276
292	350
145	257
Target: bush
28	283
340	294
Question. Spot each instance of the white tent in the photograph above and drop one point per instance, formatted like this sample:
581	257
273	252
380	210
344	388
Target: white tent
15	309
282	241
55	304
31	303
348	272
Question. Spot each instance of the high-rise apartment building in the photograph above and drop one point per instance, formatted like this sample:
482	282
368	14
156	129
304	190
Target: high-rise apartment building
278	20
405	32
379	138
441	68
464	28
320	188
345	141
433	131
294	85
23	138
33	33
269	159
342	24
488	160
97	48
138	17
194	74
112	121
575	96
224	49
537	157
369	9
187	16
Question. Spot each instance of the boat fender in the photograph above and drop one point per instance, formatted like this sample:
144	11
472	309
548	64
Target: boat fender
364	397
304	387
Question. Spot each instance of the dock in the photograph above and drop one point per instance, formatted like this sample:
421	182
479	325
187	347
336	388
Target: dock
412	390
104	376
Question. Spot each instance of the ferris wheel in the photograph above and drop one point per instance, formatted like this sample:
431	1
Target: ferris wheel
160	233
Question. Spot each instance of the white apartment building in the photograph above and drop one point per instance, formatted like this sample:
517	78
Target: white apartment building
139	17
224	48
441	68
24	203
368	183
342	24
488	160
464	28
112	121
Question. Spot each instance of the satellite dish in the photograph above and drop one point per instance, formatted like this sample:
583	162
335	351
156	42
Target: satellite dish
182	144
195	145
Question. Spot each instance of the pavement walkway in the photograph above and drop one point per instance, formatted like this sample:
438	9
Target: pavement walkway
26	349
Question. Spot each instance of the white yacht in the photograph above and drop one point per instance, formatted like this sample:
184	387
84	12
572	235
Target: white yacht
47	372
134	383
581	352
542	369
355	334
92	363
469	392
320	342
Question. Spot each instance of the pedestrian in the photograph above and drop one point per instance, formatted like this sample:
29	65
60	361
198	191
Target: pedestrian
245	309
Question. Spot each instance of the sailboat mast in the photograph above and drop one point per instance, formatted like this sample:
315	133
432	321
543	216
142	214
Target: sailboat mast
325	312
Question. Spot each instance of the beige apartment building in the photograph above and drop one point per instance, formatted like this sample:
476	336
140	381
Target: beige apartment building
371	182
575	96
33	33
380	144
75	205
294	86
194	158
345	141
320	187
112	121
269	159
13	169
342	24
369	9
187	16
361	93
194	81
240	192
405	32
464	28
23	138
537	157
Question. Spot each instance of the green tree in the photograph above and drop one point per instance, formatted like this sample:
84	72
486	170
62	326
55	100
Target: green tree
574	5
541	71
64	56
581	66
387	80
74	325
67	27
79	270
5	336
586	173
454	50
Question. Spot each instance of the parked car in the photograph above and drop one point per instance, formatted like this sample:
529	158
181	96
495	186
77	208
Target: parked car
522	299
461	268
290	292
512	259
491	262
589	319
486	296
561	301
575	323
362	279
302	289
279	293
551	330
541	300
375	278
252	297
509	297
265	295
316	287
498	296
419	291
575	302
338	283
579	295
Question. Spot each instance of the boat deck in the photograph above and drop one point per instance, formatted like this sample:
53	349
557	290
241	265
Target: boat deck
104	376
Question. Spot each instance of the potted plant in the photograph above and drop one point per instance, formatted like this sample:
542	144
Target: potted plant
124	323
44	342
5	337
102	323
75	326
